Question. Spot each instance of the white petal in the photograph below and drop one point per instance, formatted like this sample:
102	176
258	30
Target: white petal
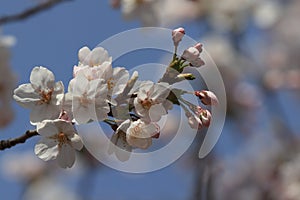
150	129
46	149
43	112
80	85
66	156
83	53
26	96
160	92
42	78
47	128
98	56
156	111
76	142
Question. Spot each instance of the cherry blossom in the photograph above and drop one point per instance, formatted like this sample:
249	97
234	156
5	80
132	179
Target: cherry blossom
87	100
59	141
42	95
151	102
139	134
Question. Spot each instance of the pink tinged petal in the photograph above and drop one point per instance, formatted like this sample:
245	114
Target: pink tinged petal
199	47
42	78
142	143
194	124
205	117
47	128
66	156
150	130
83	53
156	111
46	149
207	97
76	142
197	63
190	54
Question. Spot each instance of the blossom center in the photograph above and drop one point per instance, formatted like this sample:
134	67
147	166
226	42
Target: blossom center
45	96
147	103
62	138
110	83
136	130
85	101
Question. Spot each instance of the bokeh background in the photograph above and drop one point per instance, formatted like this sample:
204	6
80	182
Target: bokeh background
255	44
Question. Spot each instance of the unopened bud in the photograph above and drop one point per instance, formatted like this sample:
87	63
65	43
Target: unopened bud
205	117
190	54
207	97
199	46
187	76
177	35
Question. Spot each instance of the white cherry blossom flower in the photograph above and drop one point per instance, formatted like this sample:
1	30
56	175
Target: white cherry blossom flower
43	95
59	141
87	100
151	101
139	134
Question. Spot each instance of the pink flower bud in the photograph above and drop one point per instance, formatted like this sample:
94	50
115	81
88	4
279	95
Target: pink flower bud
190	54
194	122
207	97
205	117
199	47
177	35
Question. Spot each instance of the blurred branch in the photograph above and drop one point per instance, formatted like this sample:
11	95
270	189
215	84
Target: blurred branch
31	11
6	144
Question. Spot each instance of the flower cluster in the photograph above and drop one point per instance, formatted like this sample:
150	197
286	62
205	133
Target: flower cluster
99	92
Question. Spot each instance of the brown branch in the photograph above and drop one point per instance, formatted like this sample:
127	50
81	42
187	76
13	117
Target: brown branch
6	144
31	11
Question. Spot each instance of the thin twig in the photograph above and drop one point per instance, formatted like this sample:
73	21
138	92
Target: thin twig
31	11
6	144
